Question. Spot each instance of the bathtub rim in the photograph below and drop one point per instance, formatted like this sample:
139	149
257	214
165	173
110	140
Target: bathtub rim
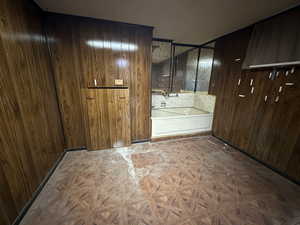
180	116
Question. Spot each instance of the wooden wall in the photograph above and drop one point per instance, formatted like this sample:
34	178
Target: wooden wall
267	129
83	50
229	54
31	137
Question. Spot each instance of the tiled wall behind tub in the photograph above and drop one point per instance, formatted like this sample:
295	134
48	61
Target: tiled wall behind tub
182	100
204	101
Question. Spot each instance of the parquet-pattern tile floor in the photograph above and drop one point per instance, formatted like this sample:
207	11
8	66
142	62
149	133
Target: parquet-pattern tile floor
193	181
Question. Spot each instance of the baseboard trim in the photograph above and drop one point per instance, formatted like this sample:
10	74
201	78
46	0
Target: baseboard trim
261	162
164	138
39	189
75	149
140	141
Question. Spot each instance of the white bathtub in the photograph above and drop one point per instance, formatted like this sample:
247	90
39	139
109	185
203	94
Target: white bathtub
175	121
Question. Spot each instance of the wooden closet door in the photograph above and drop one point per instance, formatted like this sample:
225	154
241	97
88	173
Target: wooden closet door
107	118
119	117
285	124
259	140
243	110
277	126
97	119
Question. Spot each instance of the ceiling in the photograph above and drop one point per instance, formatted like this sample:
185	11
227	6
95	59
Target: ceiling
185	21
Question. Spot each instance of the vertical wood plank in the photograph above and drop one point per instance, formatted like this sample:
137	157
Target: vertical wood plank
31	136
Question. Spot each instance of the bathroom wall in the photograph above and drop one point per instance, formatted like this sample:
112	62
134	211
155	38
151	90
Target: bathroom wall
183	100
204	101
185	65
205	69
160	73
31	137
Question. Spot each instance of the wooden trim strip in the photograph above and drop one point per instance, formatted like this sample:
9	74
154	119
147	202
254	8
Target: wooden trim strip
112	87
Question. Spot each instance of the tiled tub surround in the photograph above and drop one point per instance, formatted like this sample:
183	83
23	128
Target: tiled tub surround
186	114
194	181
182	100
204	101
200	100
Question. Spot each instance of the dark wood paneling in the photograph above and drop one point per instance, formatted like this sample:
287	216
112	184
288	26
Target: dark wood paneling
140	84
275	40
268	129
229	53
277	126
68	72
30	136
87	49
107	116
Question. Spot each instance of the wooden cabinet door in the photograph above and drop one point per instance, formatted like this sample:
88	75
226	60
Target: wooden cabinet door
119	117
259	139
284	126
107	118
276	126
275	40
96	119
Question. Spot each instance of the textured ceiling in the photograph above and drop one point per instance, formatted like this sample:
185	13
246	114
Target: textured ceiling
185	21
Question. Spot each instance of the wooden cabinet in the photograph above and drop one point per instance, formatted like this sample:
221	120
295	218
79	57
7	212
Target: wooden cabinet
257	110
265	119
276	130
276	40
107	118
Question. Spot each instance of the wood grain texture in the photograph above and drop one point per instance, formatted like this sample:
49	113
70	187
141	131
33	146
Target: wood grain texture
267	130
31	134
230	52
107	119
275	40
119	117
68	77
97	119
86	50
277	126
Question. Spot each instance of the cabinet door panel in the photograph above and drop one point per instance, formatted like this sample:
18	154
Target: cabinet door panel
276	129
259	145
286	122
107	118
275	40
119	117
97	122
